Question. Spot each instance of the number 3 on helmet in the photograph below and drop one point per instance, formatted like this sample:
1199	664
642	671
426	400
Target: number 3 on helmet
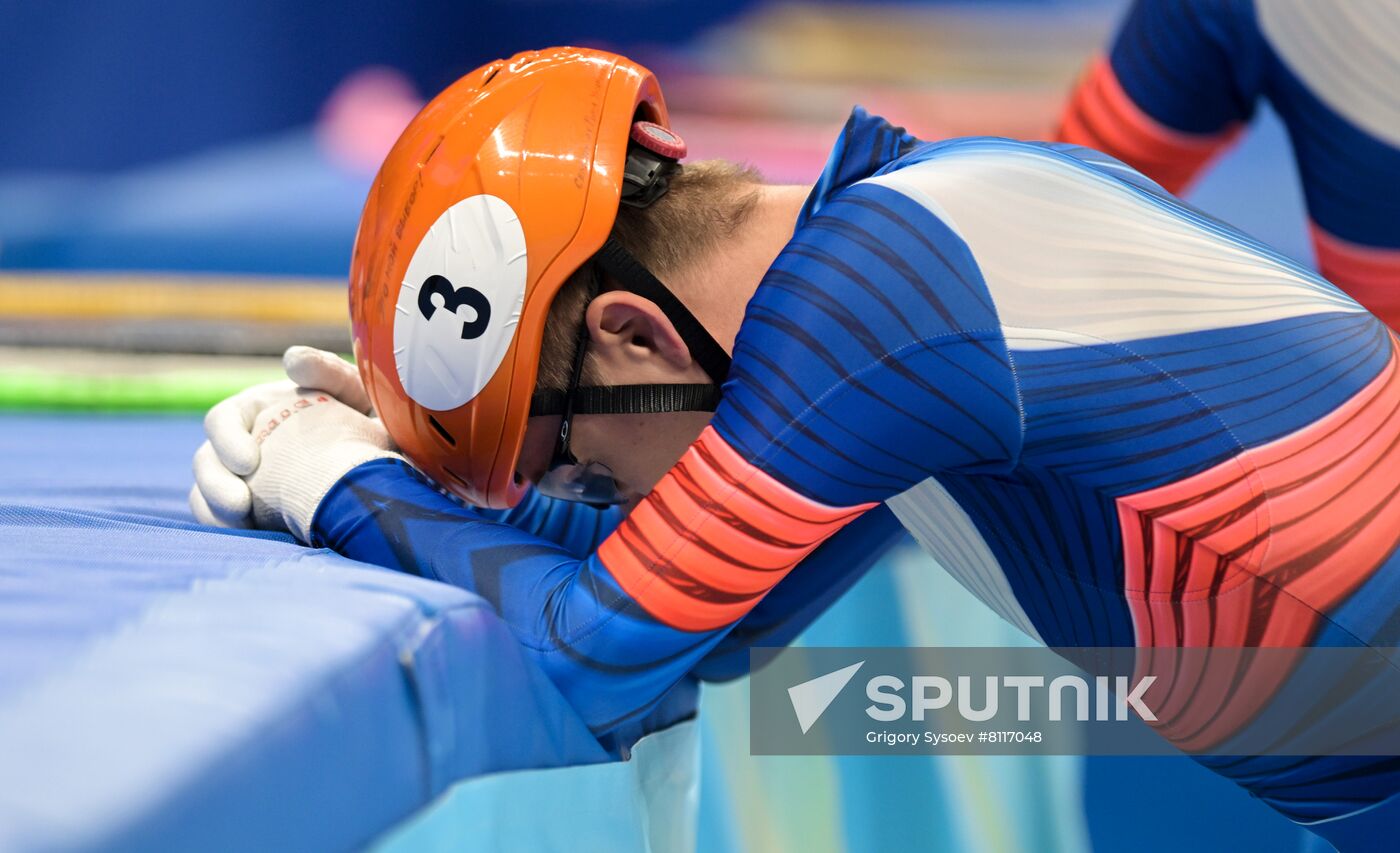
502	187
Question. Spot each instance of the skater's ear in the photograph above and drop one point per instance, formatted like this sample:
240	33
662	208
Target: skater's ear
628	332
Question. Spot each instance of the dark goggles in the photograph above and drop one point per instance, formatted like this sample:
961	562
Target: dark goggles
593	482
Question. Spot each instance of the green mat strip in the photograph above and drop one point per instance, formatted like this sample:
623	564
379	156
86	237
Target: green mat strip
171	391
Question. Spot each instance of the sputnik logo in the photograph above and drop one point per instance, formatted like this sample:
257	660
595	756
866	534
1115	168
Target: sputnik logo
810	699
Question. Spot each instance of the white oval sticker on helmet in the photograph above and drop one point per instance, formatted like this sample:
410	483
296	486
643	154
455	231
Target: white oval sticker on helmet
460	302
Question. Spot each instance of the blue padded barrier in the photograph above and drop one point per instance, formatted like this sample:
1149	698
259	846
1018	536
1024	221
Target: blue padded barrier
169	686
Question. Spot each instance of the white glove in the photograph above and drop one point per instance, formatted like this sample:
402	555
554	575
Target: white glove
275	450
325	371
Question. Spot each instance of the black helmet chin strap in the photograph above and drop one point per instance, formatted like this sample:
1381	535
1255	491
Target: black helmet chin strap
629	399
627	271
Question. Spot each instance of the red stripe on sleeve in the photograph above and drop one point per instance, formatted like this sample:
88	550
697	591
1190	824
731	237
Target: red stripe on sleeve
714	536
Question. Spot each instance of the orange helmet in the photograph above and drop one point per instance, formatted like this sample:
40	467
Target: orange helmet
496	193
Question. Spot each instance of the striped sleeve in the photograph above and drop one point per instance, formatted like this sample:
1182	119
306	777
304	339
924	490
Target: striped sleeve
714	536
1178	84
806	593
576	527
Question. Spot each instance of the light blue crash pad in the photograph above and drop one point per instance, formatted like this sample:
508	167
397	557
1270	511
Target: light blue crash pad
165	686
570	808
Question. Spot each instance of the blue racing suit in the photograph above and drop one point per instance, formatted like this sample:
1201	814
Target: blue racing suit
1115	420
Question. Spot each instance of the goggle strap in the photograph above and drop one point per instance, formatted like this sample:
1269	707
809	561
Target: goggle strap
629	399
617	262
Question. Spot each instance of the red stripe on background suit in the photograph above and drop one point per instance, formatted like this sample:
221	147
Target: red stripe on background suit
1369	275
1101	115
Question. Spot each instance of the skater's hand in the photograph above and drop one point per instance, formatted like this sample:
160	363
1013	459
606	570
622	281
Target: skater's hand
275	450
